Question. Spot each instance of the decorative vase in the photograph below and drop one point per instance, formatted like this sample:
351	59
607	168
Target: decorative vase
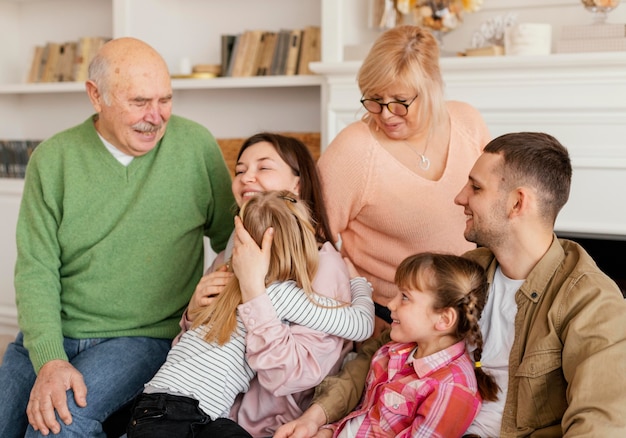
442	16
600	9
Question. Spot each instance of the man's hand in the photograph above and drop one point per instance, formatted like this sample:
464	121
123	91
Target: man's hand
307	426
208	288
49	394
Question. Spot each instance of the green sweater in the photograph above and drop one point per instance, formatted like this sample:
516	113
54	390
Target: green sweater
106	250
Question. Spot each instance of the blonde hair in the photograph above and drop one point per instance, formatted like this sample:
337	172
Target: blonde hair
458	283
408	55
294	256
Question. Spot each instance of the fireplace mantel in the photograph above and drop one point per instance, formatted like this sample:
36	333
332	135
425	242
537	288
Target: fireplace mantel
578	98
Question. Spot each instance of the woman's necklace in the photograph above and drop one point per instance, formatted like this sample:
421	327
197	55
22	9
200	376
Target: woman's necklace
424	162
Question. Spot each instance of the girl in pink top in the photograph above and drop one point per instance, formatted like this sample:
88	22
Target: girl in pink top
297	358
423	383
390	179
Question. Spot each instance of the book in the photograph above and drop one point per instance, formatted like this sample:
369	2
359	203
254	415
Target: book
293	52
228	42
65	67
606	30
269	45
233	54
239	54
280	54
81	58
591	45
252	52
86	49
485	51
311	50
50	67
34	73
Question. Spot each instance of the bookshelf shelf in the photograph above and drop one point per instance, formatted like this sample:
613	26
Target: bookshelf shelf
177	84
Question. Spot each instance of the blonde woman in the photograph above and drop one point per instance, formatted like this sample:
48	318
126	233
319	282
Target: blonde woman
390	179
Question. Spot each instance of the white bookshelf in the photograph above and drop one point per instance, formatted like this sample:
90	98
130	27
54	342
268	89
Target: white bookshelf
229	107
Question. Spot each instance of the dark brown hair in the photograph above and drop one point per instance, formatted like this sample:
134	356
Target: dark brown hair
297	156
538	160
457	283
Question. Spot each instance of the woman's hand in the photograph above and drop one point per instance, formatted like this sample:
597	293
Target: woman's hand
250	263
208	288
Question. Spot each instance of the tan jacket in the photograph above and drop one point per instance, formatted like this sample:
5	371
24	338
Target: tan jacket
568	361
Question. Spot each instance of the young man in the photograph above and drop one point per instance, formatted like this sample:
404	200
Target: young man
110	248
554	325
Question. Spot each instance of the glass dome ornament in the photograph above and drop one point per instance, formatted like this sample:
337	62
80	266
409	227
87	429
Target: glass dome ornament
600	9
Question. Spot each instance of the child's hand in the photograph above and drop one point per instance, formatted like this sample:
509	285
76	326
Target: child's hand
208	288
351	269
250	263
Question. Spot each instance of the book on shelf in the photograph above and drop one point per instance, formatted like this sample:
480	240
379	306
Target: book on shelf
65	66
242	47
62	62
34	74
14	156
484	51
86	49
252	52
293	52
228	41
233	52
50	67
311	49
280	54
267	53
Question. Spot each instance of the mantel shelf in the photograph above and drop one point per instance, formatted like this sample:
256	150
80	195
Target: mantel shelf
177	84
566	64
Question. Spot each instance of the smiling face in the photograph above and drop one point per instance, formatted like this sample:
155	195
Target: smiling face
259	169
132	96
414	317
485	202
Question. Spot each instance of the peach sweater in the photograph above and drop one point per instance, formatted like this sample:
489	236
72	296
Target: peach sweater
385	212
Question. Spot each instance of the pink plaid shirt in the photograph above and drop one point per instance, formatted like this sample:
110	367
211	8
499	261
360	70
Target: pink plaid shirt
435	396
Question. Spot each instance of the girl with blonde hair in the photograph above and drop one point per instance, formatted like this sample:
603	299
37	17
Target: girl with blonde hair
207	368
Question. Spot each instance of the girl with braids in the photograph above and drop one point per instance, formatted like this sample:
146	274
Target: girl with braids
207	368
423	382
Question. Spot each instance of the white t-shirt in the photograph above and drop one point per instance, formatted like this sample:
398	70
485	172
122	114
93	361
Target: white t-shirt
497	325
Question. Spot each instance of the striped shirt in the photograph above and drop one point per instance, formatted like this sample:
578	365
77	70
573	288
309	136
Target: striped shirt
433	396
215	374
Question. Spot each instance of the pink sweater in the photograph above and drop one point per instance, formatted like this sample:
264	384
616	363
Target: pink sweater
294	360
385	212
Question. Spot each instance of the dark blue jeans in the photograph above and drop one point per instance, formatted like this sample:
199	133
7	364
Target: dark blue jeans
114	370
164	416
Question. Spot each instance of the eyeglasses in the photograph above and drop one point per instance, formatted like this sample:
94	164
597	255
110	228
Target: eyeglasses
394	107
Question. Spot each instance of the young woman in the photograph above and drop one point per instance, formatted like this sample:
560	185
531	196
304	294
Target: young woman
423	383
296	359
207	369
